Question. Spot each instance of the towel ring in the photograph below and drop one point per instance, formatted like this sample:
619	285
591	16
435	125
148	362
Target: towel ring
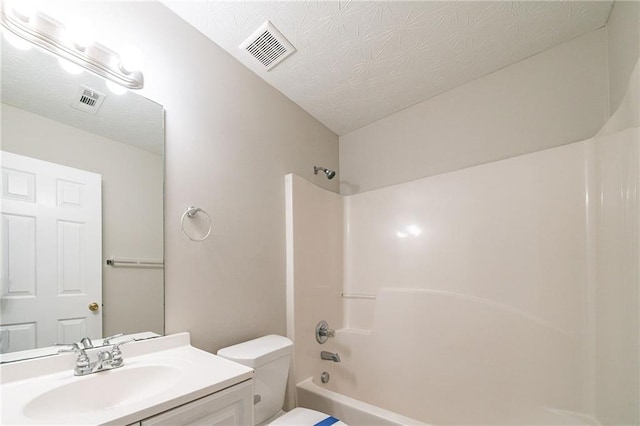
191	213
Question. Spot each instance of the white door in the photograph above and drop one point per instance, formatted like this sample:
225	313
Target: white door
51	253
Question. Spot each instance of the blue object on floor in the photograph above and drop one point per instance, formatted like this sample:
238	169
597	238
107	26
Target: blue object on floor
327	422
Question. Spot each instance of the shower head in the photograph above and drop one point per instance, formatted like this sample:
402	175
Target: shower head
330	173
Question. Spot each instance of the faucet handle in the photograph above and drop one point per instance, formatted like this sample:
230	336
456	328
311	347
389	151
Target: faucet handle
86	343
107	340
116	353
116	347
72	347
323	332
82	362
329	332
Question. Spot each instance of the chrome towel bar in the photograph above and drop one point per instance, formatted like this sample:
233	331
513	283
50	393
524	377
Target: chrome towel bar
135	263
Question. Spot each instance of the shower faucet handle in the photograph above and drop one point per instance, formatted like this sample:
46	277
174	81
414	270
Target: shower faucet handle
328	332
323	332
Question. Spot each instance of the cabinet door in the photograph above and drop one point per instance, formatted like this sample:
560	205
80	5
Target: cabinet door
230	407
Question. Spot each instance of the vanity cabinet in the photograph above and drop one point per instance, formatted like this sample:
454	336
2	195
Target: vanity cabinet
231	406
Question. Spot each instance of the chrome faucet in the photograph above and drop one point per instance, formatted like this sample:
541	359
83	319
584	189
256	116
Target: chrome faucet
107	359
330	356
104	360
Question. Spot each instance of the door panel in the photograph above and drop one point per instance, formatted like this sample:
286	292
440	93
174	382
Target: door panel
19	255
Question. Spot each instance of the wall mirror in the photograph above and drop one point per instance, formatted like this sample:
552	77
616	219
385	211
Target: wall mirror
82	205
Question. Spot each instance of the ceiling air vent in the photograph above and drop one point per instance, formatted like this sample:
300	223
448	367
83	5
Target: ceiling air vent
88	100
268	46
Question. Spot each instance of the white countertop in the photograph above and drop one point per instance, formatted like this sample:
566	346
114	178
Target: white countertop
195	373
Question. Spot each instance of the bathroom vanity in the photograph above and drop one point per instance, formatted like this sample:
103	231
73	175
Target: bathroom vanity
164	381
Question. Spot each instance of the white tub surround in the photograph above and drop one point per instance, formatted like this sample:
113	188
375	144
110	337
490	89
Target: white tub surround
159	374
505	293
314	271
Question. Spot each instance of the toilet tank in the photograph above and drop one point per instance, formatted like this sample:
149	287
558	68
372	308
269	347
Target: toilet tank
270	357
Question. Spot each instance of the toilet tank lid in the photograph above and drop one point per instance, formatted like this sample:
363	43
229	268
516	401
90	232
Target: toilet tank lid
257	352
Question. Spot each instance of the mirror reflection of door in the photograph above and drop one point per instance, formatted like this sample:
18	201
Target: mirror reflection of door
123	141
51	254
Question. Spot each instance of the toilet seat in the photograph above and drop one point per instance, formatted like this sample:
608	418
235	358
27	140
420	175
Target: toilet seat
303	416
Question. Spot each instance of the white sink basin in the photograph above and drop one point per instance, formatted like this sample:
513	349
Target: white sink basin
100	391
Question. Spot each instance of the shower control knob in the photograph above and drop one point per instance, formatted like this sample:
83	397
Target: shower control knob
323	332
328	333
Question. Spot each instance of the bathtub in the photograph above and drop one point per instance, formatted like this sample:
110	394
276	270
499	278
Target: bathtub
357	413
349	410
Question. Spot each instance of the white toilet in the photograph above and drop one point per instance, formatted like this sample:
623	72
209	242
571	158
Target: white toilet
270	357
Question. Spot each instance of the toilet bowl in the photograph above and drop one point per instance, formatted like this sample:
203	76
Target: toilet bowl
270	357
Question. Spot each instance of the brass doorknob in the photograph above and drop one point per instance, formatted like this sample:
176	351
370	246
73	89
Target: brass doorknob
93	306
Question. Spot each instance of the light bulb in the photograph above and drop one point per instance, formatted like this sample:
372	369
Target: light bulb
131	59
79	33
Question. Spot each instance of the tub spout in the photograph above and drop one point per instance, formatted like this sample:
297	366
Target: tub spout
330	356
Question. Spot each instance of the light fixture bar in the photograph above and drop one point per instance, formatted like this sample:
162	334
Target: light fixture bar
47	33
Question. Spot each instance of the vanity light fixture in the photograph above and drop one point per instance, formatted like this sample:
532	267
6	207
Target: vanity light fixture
52	35
17	42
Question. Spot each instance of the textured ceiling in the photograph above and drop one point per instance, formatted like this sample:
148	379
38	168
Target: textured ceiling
34	81
359	61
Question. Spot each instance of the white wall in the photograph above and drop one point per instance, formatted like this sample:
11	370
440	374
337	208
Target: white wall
132	181
623	47
230	139
553	98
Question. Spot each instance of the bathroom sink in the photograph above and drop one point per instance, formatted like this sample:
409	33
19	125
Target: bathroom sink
101	391
158	375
